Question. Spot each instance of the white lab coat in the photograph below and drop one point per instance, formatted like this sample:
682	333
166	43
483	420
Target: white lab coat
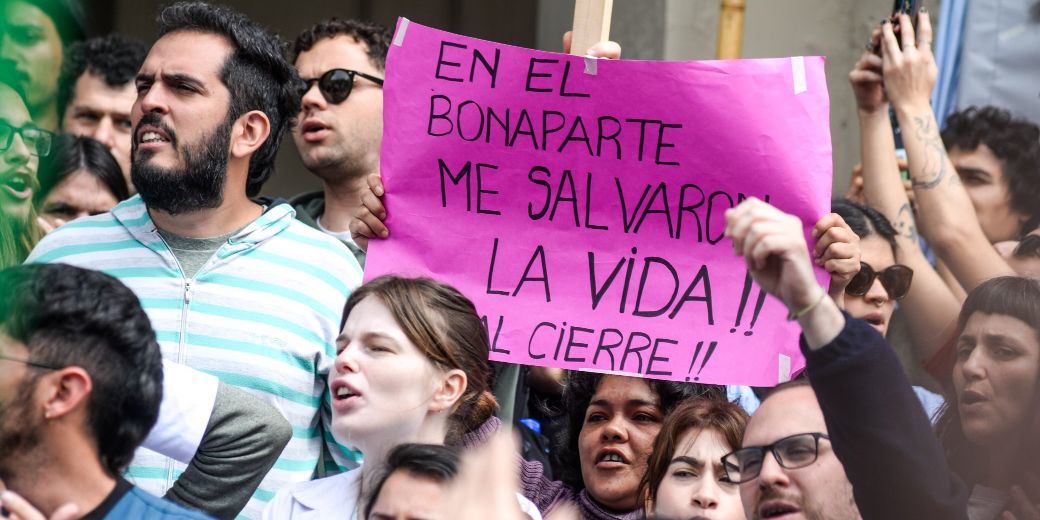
330	498
336	498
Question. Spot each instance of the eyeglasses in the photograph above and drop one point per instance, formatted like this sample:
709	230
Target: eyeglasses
796	451
895	279
336	84
36	139
30	363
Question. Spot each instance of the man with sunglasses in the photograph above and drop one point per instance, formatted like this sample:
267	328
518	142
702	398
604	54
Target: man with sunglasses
340	125
856	444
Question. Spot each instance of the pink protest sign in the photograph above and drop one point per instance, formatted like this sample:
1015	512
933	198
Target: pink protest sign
580	203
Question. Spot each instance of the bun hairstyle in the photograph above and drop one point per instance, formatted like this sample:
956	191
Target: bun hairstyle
445	326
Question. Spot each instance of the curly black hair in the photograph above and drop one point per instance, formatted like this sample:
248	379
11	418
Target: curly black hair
1015	142
256	72
577	394
68	316
115	58
375	37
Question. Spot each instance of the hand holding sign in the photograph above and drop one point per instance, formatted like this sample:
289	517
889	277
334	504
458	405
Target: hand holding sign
367	222
837	251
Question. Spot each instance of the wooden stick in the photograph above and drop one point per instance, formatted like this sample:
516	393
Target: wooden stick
731	29
591	24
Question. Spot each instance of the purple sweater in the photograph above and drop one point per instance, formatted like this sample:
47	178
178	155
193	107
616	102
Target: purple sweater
544	493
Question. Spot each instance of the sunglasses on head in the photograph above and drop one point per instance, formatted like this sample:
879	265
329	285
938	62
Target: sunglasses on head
895	279
336	84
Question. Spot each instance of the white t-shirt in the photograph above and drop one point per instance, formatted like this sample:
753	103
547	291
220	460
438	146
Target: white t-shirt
342	236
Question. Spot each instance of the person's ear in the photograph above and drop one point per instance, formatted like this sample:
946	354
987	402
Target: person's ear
249	133
65	391
449	391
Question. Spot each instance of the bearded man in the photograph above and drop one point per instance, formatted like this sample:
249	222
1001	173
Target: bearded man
235	285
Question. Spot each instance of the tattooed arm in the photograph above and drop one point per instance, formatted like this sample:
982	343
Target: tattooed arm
945	215
930	307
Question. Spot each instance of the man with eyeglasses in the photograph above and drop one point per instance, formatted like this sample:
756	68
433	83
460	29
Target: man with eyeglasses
235	285
787	467
81	380
851	443
22	144
340	125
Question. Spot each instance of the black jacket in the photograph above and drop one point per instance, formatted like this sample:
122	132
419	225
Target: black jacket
879	430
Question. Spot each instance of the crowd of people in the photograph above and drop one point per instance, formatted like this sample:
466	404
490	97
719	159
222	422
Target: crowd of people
174	345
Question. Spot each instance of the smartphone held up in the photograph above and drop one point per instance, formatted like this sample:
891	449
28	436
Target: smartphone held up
910	8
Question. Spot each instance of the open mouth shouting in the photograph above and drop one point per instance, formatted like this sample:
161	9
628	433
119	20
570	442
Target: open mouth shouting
314	130
972	401
344	396
781	509
611	459
151	137
877	320
19	185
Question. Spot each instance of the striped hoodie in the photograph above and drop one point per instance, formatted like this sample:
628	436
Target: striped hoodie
262	314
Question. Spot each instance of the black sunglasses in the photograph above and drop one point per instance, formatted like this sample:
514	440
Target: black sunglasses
336	84
37	140
895	279
796	451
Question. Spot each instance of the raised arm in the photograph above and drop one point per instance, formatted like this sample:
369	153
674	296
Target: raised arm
946	216
876	424
930	306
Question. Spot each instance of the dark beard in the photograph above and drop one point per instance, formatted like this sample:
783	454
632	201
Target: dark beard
199	185
20	431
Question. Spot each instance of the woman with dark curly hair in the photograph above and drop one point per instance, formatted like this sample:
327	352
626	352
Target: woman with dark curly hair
611	424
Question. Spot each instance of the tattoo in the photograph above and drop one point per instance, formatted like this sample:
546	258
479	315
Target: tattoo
935	155
905	224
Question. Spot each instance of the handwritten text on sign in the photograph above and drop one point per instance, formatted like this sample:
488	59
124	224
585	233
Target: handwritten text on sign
580	203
